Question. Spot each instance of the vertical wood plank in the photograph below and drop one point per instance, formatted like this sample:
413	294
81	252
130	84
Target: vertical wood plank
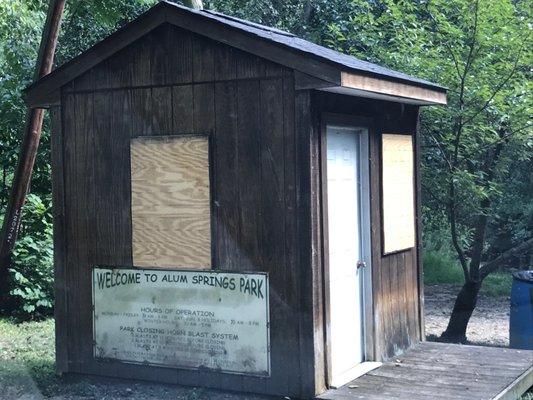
103	175
249	188
225	63
291	238
101	75
249	174
86	206
60	238
411	296
418	251
159	60
249	66
226	163
141	68
180	56
71	214
83	82
402	299
204	107
273	228
141	113
203	59
120	68
387	268
316	254
182	105
311	335
162	110
375	228
121	125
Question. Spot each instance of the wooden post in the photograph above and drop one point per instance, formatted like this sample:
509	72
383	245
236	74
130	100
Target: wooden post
30	143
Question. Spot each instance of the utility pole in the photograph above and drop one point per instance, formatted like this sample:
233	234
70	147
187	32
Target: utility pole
30	143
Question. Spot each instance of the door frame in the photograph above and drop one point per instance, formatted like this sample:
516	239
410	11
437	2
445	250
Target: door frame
366	233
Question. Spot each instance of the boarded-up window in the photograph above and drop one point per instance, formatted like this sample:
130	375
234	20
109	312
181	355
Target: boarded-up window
170	202
398	193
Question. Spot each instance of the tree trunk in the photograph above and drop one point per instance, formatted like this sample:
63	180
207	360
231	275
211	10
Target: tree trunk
462	311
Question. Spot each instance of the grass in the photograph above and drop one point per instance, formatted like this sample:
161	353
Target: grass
442	268
27	357
27	367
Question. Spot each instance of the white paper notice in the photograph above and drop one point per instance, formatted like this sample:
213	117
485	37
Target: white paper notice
183	319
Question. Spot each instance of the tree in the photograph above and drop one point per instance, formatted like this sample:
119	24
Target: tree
488	127
480	50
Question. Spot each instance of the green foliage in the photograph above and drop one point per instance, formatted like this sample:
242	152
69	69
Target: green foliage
442	267
498	284
31	274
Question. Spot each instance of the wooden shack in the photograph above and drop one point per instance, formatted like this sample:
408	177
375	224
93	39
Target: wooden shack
234	207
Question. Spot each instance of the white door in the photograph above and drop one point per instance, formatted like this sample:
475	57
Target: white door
345	243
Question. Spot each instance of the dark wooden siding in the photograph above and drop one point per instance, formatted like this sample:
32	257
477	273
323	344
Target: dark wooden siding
396	301
265	160
172	82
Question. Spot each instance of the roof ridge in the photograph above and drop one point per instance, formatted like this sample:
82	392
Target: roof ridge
249	23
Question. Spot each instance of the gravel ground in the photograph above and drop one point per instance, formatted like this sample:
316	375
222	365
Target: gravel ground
21	385
489	325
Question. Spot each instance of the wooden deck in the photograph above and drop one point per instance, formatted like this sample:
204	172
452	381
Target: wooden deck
445	371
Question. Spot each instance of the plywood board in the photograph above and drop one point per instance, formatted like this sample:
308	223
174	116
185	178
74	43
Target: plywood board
398	193
170	202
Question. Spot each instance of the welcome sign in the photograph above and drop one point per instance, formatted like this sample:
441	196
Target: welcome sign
183	319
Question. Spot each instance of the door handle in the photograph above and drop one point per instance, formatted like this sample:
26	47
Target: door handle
361	264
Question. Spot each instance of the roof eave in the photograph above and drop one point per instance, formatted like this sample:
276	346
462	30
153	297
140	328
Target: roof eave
358	84
376	96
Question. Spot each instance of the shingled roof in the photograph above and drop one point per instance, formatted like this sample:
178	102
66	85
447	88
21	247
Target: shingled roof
331	70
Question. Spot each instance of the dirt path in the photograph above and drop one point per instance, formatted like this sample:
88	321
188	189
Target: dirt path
489	324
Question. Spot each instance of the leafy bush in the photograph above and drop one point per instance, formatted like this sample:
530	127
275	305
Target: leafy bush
441	267
31	275
498	284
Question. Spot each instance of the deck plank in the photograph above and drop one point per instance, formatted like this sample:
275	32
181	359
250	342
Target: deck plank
443	371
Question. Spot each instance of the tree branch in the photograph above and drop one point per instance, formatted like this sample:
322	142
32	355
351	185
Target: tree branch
524	248
445	42
434	196
496	91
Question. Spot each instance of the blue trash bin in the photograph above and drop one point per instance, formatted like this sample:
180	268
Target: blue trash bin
521	318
